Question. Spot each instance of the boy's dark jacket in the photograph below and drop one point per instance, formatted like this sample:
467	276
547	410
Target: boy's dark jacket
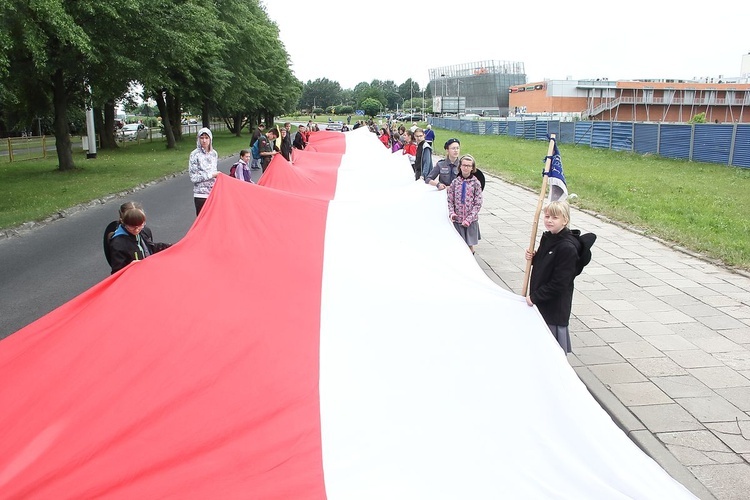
124	249
555	266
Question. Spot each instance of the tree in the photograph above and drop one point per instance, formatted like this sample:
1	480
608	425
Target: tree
239	101
320	94
409	89
47	47
371	106
347	97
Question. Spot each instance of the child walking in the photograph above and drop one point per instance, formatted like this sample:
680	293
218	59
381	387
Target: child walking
555	266
465	201
241	169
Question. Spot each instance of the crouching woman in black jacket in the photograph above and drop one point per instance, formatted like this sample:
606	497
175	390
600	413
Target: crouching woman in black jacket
132	240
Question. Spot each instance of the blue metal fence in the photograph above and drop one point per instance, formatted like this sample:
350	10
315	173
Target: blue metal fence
741	150
727	144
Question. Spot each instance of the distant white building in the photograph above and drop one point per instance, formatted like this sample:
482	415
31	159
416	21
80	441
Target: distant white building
745	67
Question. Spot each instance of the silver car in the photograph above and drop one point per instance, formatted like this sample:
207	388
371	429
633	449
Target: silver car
133	132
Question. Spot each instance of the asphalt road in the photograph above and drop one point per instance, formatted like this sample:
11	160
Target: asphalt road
47	266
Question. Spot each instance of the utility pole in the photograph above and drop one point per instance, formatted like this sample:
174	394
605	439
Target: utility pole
90	132
458	93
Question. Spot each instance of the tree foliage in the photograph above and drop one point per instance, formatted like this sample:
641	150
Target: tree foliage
321	93
218	59
371	106
325	93
221	58
51	48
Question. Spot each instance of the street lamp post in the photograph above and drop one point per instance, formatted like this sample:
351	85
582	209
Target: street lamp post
458	93
443	92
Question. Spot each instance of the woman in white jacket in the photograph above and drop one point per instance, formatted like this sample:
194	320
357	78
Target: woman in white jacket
203	168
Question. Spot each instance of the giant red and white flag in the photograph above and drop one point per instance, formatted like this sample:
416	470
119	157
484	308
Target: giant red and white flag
324	334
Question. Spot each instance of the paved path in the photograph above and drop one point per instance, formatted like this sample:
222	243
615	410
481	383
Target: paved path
660	338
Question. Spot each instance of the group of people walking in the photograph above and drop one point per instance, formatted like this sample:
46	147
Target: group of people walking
556	261
264	145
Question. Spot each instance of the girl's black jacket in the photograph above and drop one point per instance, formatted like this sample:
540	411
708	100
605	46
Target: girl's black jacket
124	248
553	272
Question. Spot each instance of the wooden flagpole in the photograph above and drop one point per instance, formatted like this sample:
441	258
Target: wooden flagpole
539	204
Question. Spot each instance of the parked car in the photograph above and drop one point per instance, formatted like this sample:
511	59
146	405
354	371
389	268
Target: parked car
416	117
336	126
133	132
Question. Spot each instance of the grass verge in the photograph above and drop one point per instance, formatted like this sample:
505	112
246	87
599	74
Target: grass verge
703	207
34	189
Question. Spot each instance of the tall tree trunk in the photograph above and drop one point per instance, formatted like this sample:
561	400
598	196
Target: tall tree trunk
107	127
268	119
205	118
62	129
237	123
173	108
162	105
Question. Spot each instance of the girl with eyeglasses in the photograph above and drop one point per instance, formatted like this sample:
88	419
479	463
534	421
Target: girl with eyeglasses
465	201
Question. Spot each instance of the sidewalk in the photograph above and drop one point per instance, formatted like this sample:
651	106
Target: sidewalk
660	338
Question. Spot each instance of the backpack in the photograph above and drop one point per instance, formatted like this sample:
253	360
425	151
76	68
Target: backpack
584	253
233	169
255	150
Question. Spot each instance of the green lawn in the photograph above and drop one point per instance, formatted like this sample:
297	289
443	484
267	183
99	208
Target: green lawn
700	206
34	189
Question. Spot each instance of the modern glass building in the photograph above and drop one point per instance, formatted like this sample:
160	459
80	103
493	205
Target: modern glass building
477	87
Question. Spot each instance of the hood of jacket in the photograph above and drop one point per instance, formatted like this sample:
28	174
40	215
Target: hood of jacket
566	234
207	131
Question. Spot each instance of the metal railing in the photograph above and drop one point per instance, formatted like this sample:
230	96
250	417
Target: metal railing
661	101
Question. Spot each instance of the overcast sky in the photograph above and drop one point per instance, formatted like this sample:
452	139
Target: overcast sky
349	41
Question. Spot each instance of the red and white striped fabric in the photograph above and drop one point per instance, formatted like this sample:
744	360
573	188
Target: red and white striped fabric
325	334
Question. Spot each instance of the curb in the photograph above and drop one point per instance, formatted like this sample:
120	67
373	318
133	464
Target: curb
62	214
638	433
